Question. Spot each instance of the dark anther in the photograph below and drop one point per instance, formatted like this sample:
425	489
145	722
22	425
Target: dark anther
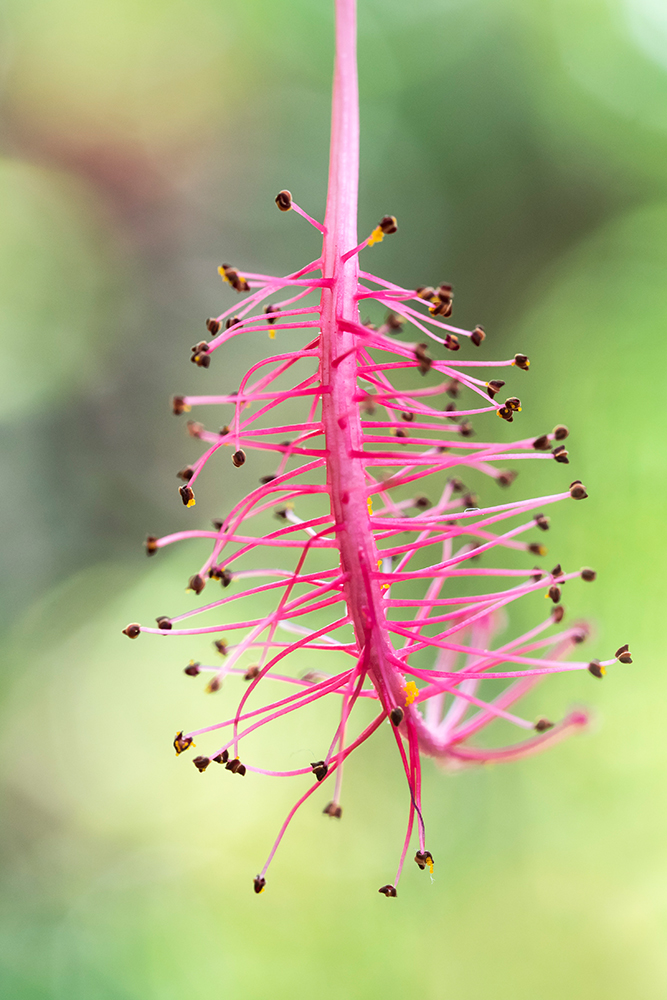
259	882
388	890
231	275
596	668
319	769
222	758
151	545
452	342
521	361
577	490
195	429
218	524
238	458
558	613
506	413
541	443
388	224
281	512
269	309
192	669
408	417
451	410
396	716
560	432
400	434
187	495
494	386
542	522
201	763
422	503
425	292
478	335
196	583
623	654
542	725
536	575
221	646
557	571
537	549
423	357
452	387
185	474
445	291
164	623
284	203
588	574
580	635
251	673
200	355
470	500
441	308
394	322
178	405
181	742
224	431
232	321
235	766
213	326
213	685
132	631
333	810
560	454
514	403
265	480
506	478
466	429
456	485
554	593
424	859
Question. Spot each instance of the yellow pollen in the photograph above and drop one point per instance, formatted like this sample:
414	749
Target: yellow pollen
430	866
272	336
221	272
369	504
191	502
411	692
376	236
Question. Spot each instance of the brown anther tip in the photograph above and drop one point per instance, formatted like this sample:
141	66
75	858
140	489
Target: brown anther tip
265	480
132	631
596	669
588	574
622	649
201	763
195	429
222	758
493	387
423	357
164	623
466	429
258	882
557	571
151	545
196	583
514	403
251	673
424	859
213	685
284	203
425	292
421	503
470	500
625	658
506	413
213	326
185	474
394	322
452	342
221	646
541	443
268	310
457	485
558	613
181	742
542	725
388	224
560	432
238	458
192	669
320	769
234	765
187	495
232	321
217	523
333	809
478	335
506	478
178	405
554	593
396	716
578	491
521	361
388	890
408	417
560	454
580	635
542	522
537	574
537	549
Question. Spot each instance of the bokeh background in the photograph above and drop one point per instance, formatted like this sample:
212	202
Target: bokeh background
522	145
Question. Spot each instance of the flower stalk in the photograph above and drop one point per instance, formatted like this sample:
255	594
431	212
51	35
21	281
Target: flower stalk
398	564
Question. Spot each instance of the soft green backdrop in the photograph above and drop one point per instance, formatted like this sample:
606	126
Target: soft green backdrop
522	145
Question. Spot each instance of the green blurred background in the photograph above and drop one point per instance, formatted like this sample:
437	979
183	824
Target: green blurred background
522	145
